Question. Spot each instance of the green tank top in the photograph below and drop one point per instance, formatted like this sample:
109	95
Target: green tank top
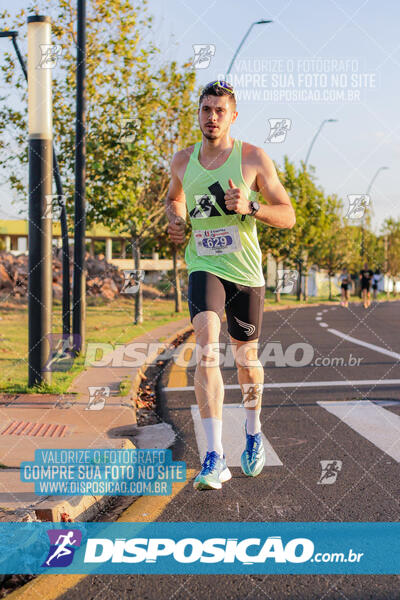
222	242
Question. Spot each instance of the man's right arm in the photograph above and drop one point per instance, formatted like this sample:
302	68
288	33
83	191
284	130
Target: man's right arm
175	203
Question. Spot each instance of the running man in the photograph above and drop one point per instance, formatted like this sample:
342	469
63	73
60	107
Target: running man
376	280
345	283
219	180
366	278
62	542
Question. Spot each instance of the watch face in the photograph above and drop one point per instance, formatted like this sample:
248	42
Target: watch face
255	206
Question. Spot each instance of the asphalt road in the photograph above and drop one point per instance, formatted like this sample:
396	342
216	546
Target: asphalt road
302	432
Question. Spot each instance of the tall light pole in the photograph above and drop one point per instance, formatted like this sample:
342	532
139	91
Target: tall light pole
315	137
79	284
261	22
363	217
374	177
40	146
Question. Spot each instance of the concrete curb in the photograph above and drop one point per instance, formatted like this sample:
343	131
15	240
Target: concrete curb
77	508
89	506
141	371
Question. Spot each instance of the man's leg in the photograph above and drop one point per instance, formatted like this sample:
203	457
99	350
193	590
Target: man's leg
244	312
364	297
206	303
208	383
251	380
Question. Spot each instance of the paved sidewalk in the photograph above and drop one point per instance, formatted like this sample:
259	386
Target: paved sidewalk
30	422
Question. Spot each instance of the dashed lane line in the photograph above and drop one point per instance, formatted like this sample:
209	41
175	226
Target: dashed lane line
354	340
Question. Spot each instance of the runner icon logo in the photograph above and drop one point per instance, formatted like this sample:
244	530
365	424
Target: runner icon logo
357	206
205	207
61	353
97	397
132	281
50	211
252	393
278	129
330	470
287	280
128	130
202	55
50	56
63	543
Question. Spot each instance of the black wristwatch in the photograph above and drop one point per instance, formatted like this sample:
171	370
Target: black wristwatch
254	206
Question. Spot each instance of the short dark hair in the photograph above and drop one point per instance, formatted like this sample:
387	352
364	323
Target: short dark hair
218	88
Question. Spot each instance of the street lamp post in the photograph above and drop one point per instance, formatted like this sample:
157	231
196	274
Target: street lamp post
302	260
315	137
40	185
66	317
261	22
79	281
363	217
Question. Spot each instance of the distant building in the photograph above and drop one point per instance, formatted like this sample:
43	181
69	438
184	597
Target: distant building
14	238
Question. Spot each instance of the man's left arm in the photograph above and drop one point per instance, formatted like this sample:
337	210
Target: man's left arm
278	212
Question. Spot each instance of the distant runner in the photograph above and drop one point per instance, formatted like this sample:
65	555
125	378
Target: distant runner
220	180
376	280
345	284
366	279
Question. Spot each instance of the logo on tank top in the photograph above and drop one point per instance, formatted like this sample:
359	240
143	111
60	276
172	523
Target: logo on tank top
210	205
205	207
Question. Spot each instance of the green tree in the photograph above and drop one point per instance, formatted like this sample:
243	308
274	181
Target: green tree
279	243
139	110
391	233
136	201
330	251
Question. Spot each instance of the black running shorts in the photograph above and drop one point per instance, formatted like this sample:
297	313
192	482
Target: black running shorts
243	305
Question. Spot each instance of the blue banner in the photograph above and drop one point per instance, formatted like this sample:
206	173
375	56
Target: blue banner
203	548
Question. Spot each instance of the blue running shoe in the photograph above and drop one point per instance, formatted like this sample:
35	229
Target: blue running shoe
213	474
253	456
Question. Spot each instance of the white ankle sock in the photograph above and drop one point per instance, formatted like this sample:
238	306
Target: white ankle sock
252	394
253	423
213	431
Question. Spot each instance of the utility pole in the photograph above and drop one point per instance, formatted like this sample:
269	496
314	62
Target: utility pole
363	217
79	282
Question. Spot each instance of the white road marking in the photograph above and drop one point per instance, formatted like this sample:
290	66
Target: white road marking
233	436
387	402
365	344
379	426
318	318
323	325
295	384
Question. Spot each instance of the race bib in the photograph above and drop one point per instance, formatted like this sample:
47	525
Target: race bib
217	241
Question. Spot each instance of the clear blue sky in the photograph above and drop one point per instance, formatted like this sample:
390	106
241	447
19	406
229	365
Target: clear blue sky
312	47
